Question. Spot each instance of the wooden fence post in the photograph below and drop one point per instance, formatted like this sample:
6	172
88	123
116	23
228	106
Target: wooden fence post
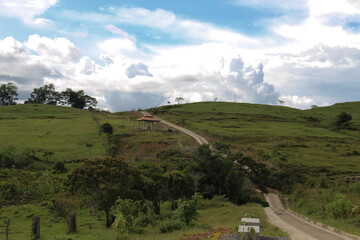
7	229
72	225
35	229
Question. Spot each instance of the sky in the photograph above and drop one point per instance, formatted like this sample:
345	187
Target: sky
132	54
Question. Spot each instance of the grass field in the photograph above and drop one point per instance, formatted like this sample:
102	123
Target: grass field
303	138
67	132
72	134
213	215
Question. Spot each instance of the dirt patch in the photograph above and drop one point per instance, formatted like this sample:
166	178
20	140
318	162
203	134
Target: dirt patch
148	148
207	235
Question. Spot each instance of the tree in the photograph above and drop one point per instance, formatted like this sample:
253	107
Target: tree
153	184
106	128
8	94
179	99
44	95
343	118
77	99
180	186
65	207
104	180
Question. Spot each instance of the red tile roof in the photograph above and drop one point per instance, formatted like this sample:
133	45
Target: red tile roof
149	118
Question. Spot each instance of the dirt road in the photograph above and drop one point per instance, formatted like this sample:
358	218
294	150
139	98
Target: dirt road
197	137
297	228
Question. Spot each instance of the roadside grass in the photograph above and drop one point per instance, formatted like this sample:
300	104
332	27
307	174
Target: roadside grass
314	203
213	215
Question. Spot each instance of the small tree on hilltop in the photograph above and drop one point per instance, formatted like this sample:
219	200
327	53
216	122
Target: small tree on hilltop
8	94
179	99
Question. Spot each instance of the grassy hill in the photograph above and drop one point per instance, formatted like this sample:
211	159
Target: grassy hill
305	139
67	132
72	136
317	160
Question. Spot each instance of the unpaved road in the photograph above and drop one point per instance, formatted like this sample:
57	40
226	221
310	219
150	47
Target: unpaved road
297	228
197	137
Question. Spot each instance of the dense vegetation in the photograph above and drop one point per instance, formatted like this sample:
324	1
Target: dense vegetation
64	164
312	155
91	165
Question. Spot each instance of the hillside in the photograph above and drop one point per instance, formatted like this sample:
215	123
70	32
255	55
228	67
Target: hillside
71	136
304	139
315	161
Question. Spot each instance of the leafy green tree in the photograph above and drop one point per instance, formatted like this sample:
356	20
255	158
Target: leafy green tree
77	99
153	185
8	94
44	95
213	169
104	180
180	186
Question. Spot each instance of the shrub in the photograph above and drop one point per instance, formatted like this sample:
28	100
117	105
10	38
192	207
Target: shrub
106	128
187	210
340	207
170	225
342	118
58	167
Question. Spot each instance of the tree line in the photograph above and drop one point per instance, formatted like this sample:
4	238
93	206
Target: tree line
47	95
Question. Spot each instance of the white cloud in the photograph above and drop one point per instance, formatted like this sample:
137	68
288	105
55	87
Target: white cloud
113	29
116	46
27	10
297	102
86	66
165	21
138	69
58	50
282	4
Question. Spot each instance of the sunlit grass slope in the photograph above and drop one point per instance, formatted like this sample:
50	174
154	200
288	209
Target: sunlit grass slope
305	139
67	132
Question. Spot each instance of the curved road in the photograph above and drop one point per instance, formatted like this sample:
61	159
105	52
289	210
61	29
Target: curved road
197	137
297	228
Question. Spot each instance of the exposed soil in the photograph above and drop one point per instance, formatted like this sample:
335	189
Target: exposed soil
207	235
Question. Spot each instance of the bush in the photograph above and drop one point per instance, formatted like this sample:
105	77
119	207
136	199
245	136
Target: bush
340	207
144	220
170	226
58	167
342	118
187	210
106	128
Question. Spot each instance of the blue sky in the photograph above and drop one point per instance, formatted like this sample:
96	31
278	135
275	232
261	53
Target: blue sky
139	53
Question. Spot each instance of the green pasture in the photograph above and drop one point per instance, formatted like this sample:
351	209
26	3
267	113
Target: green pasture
306	139
213	214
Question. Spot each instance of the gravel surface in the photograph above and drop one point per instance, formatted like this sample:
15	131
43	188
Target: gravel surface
233	237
